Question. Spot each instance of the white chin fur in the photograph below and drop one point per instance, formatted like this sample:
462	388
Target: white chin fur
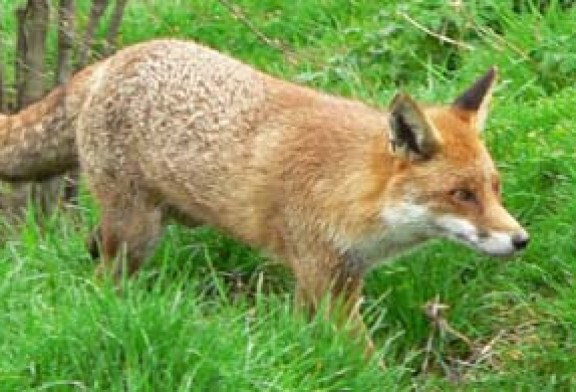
461	230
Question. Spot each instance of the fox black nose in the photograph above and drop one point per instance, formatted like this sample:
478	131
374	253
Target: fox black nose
520	241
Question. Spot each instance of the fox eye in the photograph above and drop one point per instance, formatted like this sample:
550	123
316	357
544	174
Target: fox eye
463	195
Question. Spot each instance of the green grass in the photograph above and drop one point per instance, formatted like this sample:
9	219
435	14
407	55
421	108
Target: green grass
209	314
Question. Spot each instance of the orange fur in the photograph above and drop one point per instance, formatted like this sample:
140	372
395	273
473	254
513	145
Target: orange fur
329	185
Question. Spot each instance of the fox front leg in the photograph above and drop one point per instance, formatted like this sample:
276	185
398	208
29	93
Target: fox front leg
332	283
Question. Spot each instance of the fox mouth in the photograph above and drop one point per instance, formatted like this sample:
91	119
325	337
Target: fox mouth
496	244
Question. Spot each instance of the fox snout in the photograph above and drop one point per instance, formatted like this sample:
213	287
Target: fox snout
505	236
501	241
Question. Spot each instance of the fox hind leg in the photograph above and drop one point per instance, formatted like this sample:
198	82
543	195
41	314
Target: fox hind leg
94	239
129	230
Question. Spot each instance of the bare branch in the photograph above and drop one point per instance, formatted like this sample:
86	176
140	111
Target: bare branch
112	35
96	12
440	37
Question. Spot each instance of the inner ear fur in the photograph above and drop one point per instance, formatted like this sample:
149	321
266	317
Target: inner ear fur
412	135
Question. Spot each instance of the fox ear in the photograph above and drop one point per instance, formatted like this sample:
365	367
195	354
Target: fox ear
475	101
412	136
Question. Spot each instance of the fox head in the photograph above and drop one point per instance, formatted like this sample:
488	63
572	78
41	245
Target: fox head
445	182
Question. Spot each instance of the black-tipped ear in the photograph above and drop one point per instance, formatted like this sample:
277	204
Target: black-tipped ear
412	135
476	99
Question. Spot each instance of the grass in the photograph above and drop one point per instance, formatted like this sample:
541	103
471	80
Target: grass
209	314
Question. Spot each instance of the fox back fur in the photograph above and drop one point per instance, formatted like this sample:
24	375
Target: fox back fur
331	186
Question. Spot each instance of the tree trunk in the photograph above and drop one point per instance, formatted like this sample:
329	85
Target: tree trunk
114	26
65	40
20	66
32	27
96	12
33	19
1	67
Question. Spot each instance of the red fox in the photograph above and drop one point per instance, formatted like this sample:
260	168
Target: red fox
331	186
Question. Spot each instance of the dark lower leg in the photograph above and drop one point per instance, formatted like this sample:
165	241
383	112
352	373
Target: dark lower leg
94	242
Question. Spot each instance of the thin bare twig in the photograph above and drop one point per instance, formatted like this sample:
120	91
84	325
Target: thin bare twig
487	31
440	37
454	368
482	353
240	15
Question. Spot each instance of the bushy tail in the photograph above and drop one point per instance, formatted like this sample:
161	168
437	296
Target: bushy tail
39	142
